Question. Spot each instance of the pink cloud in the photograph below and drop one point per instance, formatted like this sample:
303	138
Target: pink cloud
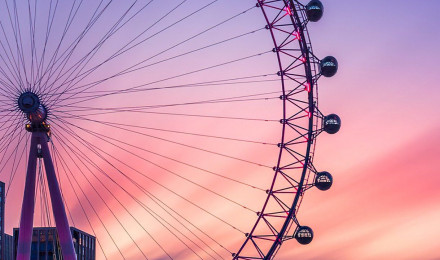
385	208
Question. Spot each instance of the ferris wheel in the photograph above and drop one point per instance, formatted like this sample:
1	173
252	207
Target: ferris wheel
166	129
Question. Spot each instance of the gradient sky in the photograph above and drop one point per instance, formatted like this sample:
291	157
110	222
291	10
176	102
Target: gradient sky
385	200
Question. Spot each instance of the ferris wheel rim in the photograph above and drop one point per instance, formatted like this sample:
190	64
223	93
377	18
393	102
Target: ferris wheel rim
298	20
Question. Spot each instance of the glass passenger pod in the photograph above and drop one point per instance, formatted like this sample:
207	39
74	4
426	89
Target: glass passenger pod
323	181
304	235
314	10
329	66
332	123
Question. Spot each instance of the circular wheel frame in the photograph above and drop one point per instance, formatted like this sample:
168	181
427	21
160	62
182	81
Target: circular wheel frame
287	23
293	173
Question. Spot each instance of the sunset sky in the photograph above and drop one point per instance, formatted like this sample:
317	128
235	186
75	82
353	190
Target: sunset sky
385	199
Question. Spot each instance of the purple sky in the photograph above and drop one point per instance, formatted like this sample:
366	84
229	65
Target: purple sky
385	200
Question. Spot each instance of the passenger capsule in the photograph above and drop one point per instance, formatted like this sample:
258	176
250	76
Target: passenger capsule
323	180
332	123
314	10
304	235
329	66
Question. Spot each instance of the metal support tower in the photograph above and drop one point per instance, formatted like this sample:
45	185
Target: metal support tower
40	149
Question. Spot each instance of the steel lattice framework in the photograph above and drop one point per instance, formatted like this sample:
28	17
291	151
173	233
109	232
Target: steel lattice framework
298	72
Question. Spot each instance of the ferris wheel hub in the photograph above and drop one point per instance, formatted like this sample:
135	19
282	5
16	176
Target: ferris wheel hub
29	103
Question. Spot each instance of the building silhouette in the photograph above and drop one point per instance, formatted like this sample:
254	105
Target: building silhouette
8	242
2	220
45	244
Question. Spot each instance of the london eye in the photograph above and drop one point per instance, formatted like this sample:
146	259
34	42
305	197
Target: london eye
166	129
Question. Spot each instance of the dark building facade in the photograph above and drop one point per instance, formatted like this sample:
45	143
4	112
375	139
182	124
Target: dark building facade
2	220
6	241
8	250
45	245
